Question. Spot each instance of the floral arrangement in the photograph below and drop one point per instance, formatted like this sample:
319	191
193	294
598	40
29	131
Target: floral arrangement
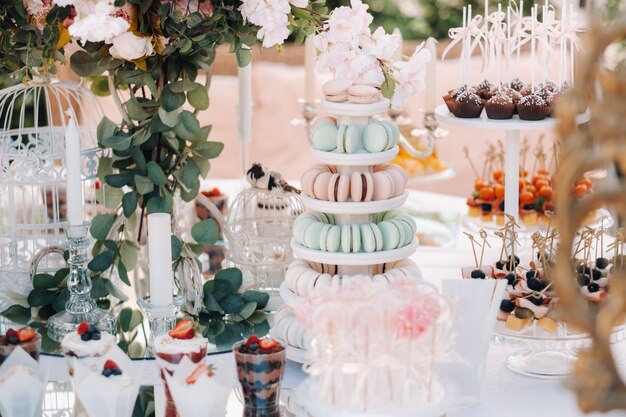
348	48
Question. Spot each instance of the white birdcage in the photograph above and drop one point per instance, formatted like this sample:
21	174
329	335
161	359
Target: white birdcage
32	174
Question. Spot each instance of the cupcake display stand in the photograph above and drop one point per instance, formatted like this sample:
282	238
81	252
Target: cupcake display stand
539	354
348	212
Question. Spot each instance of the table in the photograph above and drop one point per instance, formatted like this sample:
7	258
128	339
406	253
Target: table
503	392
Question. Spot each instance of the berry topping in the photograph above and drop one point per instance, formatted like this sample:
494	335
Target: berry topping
11	332
478	274
251	341
500	265
596	274
583	279
110	364
602	263
507	306
82	328
111	368
268	343
13	340
183	330
25	334
531	274
536	299
95	336
535	284
593	287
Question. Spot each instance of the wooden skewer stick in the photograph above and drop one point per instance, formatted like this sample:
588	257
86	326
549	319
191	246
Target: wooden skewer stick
483	235
466	152
473	241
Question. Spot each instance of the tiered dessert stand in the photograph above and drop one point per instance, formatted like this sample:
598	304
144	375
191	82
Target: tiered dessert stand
348	212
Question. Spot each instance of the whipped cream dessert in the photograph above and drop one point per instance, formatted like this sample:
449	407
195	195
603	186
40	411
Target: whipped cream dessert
73	345
169	345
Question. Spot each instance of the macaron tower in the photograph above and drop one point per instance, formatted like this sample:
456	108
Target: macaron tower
352	230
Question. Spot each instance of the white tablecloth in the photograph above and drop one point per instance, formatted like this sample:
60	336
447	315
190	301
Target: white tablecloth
504	393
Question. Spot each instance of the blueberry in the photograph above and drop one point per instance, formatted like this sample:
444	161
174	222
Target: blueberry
486	207
531	274
535	284
593	287
517	260
85	337
254	346
502	206
91	329
13	340
528	206
583	279
511	278
95	336
536	299
602	263
583	269
478	274
107	372
596	274
507	306
116	371
499	265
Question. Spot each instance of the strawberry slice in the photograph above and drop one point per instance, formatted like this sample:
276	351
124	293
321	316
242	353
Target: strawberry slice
25	334
11	332
251	340
82	328
110	364
191	379
268	343
183	330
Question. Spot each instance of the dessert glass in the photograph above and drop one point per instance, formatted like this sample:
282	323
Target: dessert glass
31	347
260	375
171	351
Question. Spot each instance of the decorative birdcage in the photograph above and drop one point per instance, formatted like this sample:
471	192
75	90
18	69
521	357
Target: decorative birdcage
258	232
32	174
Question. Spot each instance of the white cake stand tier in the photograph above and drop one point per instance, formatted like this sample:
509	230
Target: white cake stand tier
354	259
513	128
359	159
350	207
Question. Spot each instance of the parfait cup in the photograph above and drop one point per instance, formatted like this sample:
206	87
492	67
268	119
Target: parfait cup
260	375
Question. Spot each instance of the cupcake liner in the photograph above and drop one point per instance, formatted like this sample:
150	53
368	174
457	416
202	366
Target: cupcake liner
499	111
450	102
468	110
532	111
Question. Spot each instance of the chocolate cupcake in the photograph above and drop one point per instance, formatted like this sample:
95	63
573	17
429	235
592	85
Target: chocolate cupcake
500	106
527	90
485	89
532	107
549	85
468	105
547	96
517	84
450	102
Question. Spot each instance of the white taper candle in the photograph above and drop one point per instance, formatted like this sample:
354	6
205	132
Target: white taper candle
431	77
74	186
309	71
160	259
245	104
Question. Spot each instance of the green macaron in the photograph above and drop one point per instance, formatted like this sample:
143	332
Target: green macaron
376	137
312	235
348	139
300	225
330	238
324	137
391	235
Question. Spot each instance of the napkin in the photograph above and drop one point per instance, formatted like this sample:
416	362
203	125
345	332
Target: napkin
103	396
207	397
476	304
22	385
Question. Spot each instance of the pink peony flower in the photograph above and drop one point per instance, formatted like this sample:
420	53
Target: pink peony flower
129	47
205	7
410	76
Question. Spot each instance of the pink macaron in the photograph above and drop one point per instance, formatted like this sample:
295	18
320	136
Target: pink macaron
384	186
320	186
361	186
336	90
339	188
363	94
308	179
399	178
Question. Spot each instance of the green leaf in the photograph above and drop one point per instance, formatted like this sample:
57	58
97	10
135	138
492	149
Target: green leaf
199	98
170	100
119	180
106	129
257	317
210	303
101	225
183	86
17	314
136	111
100	86
38	297
188	127
105	167
191	172
102	262
128	253
232	303
60	300
221	289
169	119
98	289
160	204
388	87
84	65
129	318
45	281
123	273
205	232
244	56
143	185
204	166
189	194
248	310
177	247
114	291
231	275
260	298
156	174
208	150
116	142
129	203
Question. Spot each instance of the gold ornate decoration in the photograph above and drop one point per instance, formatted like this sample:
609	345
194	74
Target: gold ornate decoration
599	145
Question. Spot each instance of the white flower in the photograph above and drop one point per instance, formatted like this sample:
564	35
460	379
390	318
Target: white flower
299	3
129	47
34	6
270	16
96	22
63	3
346	25
382	45
409	76
273	36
